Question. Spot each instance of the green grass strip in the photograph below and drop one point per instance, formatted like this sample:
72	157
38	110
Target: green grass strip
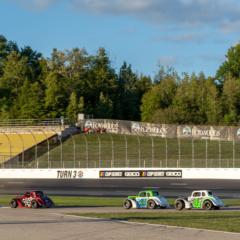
228	221
76	201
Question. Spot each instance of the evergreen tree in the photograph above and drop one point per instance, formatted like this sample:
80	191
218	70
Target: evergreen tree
6	47
104	107
231	100
33	59
150	104
72	109
14	73
81	105
159	99
32	86
31	101
57	62
56	99
186	101
101	78
231	65
196	101
127	98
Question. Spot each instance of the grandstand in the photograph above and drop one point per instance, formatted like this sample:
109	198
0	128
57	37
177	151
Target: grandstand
116	150
51	144
18	137
13	143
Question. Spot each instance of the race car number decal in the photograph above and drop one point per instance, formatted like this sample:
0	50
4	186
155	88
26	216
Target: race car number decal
27	201
142	202
197	203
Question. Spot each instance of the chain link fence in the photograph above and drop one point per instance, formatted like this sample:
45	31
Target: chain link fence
50	149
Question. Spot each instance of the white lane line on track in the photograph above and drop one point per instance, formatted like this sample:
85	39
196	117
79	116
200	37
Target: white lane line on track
147	224
178	184
15	182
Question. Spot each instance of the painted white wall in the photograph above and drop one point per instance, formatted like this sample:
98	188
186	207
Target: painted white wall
93	173
211	173
49	173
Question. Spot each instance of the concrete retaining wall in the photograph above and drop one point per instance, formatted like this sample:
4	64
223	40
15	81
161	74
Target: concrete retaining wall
123	173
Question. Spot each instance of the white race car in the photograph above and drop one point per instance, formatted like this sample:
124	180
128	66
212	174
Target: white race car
201	199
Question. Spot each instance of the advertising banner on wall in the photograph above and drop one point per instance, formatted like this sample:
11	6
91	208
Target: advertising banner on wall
128	127
235	133
163	130
202	132
141	174
111	126
150	129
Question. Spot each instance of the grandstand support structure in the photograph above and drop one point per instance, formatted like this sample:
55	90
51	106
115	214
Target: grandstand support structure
24	141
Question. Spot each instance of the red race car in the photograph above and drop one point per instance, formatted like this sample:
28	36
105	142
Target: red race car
33	199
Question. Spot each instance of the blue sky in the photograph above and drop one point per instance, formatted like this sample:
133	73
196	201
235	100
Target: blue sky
190	35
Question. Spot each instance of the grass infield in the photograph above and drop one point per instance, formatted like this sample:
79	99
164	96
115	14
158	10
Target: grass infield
76	201
213	220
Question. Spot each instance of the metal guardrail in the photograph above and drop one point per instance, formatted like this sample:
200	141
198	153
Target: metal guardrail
33	122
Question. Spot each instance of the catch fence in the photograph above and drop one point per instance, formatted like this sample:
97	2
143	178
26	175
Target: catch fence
108	150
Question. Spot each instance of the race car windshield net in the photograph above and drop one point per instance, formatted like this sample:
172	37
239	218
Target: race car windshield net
40	193
155	193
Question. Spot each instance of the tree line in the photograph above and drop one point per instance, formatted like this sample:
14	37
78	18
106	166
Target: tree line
73	81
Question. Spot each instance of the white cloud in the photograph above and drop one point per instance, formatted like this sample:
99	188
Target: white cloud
113	6
223	14
167	60
167	11
184	38
230	27
35	4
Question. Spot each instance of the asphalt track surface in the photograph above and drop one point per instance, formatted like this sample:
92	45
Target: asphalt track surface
53	224
120	187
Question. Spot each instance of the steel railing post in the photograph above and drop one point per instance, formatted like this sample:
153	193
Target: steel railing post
112	144
152	140
139	151
166	152
99	151
126	150
86	146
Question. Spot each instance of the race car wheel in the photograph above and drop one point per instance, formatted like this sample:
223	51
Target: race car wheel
13	203
151	204
50	203
127	204
34	204
179	205
208	205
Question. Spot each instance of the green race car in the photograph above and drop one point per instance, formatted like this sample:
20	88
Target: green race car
146	199
201	199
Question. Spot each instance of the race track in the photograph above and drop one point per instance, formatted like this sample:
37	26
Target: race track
119	187
49	224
